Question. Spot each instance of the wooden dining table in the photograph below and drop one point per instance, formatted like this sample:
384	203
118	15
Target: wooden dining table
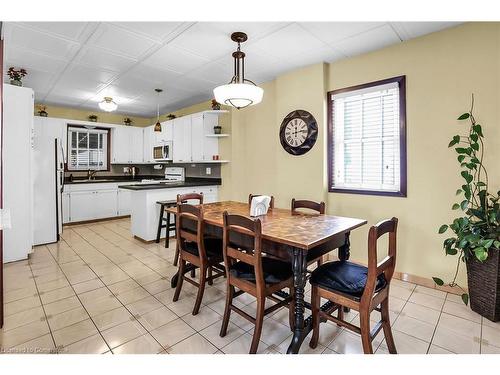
298	238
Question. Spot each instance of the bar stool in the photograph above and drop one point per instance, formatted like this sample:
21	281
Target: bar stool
165	222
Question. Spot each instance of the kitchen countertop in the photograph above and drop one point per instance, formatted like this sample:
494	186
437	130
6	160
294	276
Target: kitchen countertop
168	185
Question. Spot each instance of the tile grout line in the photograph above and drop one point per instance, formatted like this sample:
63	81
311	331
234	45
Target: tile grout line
107	287
437	324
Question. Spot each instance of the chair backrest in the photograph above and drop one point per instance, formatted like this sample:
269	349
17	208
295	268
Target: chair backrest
252	196
190	227
236	226
183	198
301	203
386	265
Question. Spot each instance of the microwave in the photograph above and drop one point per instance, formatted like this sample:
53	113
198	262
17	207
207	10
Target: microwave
162	151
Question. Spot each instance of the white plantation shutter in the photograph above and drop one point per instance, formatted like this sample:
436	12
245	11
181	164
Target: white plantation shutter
366	139
87	149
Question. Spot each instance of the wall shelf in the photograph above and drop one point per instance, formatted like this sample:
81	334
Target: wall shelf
216	135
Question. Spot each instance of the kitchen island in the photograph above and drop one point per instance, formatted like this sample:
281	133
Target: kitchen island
145	212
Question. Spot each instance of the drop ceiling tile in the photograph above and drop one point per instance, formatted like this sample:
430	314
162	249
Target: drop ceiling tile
408	30
76	31
133	86
176	59
288	41
374	39
332	32
326	54
70	83
205	41
41	42
112	38
39	80
215	72
157	76
100	59
62	100
155	30
28	59
77	94
254	30
191	85
119	95
76	72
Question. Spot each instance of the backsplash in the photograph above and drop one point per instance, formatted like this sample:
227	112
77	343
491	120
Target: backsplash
192	170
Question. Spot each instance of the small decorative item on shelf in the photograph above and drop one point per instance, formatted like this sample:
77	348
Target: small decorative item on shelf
93	118
127	121
171	116
215	105
42	110
217	129
215	157
16	75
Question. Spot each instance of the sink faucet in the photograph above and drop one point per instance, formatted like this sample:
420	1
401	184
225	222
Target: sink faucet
91	174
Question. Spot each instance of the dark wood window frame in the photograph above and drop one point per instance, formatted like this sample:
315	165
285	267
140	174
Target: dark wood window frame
401	80
108	151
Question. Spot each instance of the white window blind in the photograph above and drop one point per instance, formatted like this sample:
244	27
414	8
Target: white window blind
366	139
87	149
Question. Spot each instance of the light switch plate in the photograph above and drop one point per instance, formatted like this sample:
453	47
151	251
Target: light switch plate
5	221
208	170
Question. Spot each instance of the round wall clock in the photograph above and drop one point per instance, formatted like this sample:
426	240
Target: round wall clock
298	132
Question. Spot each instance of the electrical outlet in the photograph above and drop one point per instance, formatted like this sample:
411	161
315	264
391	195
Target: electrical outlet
208	170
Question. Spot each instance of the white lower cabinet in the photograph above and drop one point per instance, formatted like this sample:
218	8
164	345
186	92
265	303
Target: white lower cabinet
124	202
65	208
90	205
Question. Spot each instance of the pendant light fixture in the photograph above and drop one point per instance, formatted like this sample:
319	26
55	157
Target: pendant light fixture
158	125
239	92
108	104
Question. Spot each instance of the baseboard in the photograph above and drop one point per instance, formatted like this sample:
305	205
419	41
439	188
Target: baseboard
94	220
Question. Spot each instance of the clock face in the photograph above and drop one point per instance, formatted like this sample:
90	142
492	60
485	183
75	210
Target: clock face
298	132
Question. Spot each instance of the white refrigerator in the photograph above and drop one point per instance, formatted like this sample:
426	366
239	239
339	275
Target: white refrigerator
48	180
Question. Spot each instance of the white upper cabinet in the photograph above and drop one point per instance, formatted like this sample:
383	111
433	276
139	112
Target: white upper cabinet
127	145
148	143
182	139
167	132
197	137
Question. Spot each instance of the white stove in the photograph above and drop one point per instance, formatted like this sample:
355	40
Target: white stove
172	175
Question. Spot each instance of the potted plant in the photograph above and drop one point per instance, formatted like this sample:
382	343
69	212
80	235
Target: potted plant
170	116
42	110
215	105
127	121
476	232
93	118
217	129
16	75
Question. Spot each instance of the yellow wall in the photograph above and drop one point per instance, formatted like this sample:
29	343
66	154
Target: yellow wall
442	70
106	117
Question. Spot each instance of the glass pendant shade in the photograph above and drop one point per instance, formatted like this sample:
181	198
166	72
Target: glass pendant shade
239	95
158	126
239	92
108	104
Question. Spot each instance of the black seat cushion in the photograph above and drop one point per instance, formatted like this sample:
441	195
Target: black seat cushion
274	270
213	247
344	277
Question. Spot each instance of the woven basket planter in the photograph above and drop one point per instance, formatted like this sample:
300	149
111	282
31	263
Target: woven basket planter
484	285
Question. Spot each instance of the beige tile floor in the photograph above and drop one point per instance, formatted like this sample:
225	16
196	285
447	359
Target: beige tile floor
101	291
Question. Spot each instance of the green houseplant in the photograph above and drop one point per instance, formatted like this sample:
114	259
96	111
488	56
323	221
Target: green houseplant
475	238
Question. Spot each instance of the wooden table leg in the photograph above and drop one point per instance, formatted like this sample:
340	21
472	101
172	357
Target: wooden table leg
299	265
344	254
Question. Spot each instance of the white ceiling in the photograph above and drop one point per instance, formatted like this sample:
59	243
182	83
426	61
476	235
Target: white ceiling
78	63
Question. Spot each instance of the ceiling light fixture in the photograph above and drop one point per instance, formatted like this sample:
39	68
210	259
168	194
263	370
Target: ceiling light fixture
108	104
239	92
158	125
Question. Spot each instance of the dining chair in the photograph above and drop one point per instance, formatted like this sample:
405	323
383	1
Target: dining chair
252	196
200	251
298	204
252	272
363	289
183	198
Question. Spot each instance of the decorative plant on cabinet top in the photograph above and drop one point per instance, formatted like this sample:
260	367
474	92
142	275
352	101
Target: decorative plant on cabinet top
476	233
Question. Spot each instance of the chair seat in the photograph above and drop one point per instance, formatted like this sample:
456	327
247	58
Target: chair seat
344	277
213	248
170	203
274	270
